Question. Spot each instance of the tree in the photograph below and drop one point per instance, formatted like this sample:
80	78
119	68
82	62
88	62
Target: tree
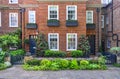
41	44
83	44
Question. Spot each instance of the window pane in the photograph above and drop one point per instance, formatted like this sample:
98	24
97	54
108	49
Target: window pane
53	12
53	41
13	19
89	17
72	41
71	13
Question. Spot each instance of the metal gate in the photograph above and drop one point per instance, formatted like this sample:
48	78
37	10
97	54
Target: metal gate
91	39
32	44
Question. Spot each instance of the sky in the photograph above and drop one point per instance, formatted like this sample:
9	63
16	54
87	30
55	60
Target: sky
105	1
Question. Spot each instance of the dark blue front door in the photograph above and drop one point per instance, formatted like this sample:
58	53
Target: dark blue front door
32	45
91	39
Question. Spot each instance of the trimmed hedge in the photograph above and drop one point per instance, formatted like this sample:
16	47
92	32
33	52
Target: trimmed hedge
76	53
50	53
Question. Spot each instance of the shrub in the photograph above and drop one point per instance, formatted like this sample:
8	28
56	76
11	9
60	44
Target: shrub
74	64
93	61
93	66
84	62
41	45
45	62
83	44
2	56
8	64
50	53
116	65
54	66
17	52
33	62
2	66
101	60
64	63
76	53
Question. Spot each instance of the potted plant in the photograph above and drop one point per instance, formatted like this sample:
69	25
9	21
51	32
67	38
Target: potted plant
31	26
53	22
71	23
90	25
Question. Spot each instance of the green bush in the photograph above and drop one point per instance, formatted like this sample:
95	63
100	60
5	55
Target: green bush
76	53
54	66
17	52
50	53
101	60
2	56
64	63
8	64
61	64
33	62
93	61
84	62
2	66
116	65
74	64
93	66
45	62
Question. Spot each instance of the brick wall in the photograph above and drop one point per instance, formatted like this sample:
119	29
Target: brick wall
42	17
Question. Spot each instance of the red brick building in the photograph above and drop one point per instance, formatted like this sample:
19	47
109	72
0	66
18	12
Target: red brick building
111	29
9	15
62	21
62	34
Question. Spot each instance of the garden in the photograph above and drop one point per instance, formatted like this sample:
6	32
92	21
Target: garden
60	60
65	64
11	49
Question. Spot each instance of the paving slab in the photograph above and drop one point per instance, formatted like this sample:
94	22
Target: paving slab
16	72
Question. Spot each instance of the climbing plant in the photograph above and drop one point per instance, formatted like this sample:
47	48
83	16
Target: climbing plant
41	44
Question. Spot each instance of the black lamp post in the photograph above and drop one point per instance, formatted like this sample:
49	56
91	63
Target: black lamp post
98	11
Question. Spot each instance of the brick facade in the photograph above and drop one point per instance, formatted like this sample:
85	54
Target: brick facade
112	34
5	9
41	8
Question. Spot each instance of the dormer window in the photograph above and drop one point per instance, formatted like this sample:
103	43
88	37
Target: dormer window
13	1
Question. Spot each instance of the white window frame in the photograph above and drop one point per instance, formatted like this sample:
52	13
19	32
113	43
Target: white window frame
108	44
75	11
57	41
75	41
29	13
10	19
102	21
87	17
10	2
49	11
0	20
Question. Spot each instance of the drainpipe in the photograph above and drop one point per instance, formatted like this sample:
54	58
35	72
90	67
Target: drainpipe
98	11
22	10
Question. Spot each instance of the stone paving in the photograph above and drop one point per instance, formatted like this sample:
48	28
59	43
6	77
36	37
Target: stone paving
16	72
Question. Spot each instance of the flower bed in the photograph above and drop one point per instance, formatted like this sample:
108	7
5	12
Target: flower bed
65	64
